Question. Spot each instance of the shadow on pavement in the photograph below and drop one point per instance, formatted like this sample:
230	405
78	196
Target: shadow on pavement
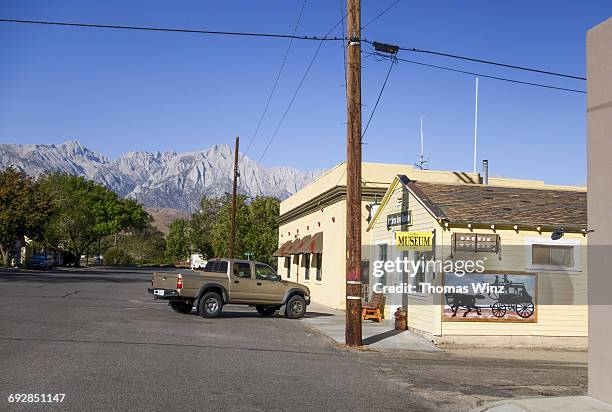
253	314
377	338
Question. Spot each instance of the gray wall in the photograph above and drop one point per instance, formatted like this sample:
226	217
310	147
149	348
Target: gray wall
599	152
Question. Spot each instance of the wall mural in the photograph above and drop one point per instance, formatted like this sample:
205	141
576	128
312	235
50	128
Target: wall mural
502	296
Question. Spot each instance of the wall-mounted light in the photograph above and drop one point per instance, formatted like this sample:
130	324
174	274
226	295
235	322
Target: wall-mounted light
515	227
539	229
557	234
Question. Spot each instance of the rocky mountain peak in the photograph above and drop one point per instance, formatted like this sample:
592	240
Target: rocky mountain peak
158	179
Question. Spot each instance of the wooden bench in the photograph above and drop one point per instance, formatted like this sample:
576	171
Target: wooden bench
375	308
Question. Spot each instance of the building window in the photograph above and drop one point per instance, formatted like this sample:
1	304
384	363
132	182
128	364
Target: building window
421	271
365	280
382	252
318	262
306	264
288	266
382	257
552	255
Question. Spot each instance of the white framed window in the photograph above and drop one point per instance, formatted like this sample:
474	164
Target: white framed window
382	255
546	254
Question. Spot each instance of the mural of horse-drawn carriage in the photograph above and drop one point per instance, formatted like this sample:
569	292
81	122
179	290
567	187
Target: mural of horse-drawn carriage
507	297
514	297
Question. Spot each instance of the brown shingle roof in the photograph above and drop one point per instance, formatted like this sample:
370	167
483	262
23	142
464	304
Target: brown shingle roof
480	204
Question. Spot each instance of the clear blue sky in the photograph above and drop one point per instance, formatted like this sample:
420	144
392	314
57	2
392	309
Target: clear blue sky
119	91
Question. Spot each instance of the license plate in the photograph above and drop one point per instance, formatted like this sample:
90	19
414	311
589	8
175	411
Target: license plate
158	292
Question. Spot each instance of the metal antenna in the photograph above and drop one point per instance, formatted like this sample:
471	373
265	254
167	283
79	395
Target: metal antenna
422	162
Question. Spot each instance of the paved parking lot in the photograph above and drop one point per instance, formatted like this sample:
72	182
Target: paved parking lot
98	337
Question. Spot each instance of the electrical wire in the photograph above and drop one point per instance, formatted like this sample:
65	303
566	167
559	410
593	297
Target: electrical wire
381	14
283	36
483	75
278	75
297	90
382	89
511	66
342	14
165	29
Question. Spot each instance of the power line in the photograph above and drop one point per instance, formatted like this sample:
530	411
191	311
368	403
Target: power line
484	75
278	75
165	29
381	14
297	90
282	36
511	66
382	89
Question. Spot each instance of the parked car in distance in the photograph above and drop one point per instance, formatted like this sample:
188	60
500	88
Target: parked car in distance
40	261
196	261
232	281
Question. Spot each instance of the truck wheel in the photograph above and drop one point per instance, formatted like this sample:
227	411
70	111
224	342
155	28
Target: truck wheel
296	307
264	310
181	307
210	305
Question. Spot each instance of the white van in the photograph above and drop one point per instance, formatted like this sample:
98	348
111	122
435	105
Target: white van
197	262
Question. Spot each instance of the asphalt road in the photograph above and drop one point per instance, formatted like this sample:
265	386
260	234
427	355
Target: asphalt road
97	336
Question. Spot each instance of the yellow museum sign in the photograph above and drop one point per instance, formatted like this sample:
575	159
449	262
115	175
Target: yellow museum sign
414	240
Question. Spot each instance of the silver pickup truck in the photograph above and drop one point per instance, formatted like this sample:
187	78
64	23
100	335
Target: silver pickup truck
232	281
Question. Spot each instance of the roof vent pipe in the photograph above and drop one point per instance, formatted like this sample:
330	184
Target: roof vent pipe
485	172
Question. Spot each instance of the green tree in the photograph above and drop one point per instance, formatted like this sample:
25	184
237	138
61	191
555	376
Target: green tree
146	245
85	211
178	243
23	210
221	228
261	235
202	223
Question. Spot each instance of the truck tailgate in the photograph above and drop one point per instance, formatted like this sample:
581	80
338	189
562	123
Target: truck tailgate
164	280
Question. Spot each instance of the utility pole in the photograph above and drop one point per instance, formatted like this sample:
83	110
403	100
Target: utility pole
352	336
476	125
233	217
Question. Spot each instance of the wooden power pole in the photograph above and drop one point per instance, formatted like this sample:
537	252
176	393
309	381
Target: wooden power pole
232	239
353	176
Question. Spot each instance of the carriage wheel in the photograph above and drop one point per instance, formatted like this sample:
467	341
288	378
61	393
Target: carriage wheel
499	310
524	310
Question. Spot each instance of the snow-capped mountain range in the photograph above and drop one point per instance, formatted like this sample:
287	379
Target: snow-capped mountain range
158	179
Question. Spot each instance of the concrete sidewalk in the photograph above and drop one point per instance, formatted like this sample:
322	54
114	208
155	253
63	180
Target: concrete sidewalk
375	335
558	404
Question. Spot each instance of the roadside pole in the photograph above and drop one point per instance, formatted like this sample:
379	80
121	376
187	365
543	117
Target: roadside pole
233	216
352	336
